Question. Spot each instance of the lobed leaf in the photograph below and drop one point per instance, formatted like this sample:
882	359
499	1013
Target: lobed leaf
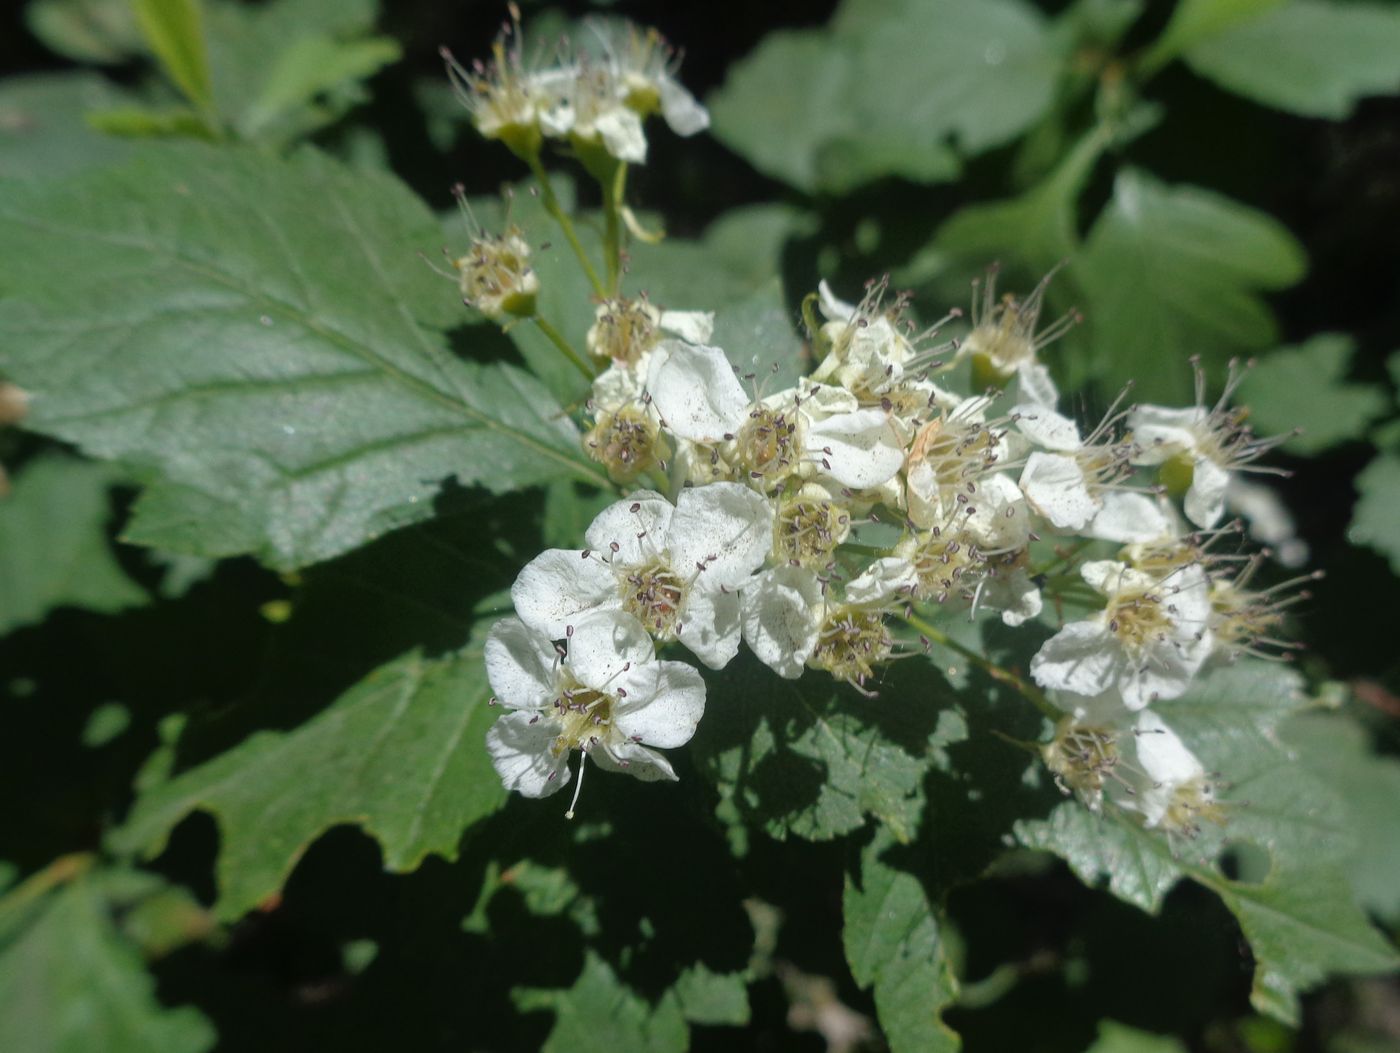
283	373
1312	57
1170	272
401	754
54	550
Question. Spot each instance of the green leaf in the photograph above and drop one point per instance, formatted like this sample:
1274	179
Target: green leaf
1311	57
1169	272
70	983
308	67
892	942
288	67
1036	227
284	372
1194	21
713	998
781	103
175	31
86	30
1306	387
1118	1038
599	1014
1301	920
816	759
44	133
1378	509
53	544
401	754
885	90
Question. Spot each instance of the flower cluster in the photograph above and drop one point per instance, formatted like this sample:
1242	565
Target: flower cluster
593	98
817	524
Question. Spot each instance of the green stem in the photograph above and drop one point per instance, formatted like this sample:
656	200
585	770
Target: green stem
1030	692
557	339
613	191
552	206
59	872
864	550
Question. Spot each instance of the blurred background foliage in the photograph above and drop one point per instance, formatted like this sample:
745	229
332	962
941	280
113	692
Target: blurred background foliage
231	822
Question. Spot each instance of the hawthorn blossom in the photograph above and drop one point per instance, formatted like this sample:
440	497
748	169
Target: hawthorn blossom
1071	481
1199	447
604	694
1004	345
1162	780
676	568
1147	643
812	430
790	621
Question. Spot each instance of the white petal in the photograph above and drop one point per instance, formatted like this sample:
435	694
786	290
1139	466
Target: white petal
1270	522
710	626
558	586
618	385
883	580
520	665
1083	657
726	527
637	524
1108	576
694	327
1205	500
862	449
1015	595
999	520
1161	755
695	391
836	310
633	759
1127	518
664	707
1161	432
520	753
1036	385
621	132
1046	428
603	644
1055	485
683	114
782	611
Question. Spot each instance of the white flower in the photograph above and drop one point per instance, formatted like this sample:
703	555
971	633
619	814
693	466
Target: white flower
625	331
696	392
1069	484
865	345
1162	780
1270	522
1198	448
606	696
1004	345
645	66
1146	644
790	622
677	569
858	448
604	99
